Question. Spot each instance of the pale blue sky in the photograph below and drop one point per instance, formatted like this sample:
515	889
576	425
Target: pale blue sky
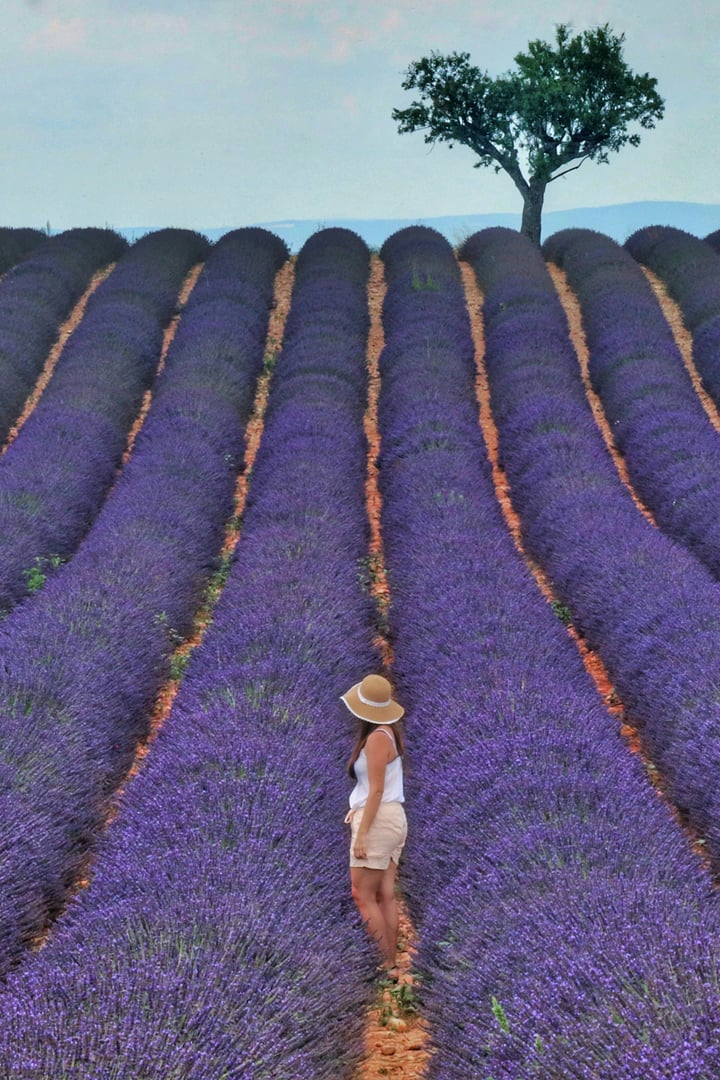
218	113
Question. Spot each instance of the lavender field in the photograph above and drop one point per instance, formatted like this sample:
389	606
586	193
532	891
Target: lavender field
189	581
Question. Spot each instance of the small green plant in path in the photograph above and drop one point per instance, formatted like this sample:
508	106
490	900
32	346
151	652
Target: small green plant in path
397	1000
36	575
562	612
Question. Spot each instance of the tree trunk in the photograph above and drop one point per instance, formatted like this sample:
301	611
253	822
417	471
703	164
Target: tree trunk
533	199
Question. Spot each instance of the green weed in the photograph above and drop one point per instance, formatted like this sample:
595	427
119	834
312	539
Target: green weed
562	612
397	999
36	575
178	663
422	281
500	1015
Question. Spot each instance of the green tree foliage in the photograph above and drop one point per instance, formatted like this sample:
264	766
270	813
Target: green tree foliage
565	104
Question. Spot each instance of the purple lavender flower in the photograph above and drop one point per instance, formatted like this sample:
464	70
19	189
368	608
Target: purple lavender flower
657	421
36	295
565	928
218	935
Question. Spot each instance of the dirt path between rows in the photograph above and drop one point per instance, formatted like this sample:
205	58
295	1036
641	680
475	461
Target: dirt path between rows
593	664
396	1041
591	660
573	314
577	336
376	342
253	432
66	329
169	333
284	280
684	342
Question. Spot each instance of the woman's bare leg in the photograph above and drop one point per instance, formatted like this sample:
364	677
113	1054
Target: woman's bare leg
367	891
388	906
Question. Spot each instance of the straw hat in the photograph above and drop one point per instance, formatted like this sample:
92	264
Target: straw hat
372	700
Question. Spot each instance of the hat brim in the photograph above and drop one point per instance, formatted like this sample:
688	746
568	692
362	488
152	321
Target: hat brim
374	714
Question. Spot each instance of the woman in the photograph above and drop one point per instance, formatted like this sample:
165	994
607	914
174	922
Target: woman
377	815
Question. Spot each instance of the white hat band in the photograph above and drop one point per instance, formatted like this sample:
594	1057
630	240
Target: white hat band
377	704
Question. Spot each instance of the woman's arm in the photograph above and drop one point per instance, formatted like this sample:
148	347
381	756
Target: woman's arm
377	752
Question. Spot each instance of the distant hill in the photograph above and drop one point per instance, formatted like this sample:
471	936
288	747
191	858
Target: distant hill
617	221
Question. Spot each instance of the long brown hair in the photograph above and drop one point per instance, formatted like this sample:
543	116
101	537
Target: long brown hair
366	729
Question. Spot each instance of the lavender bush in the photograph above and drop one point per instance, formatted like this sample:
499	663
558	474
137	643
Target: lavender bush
82	661
565	929
56	473
647	606
16	243
690	270
217	937
657	421
713	239
36	296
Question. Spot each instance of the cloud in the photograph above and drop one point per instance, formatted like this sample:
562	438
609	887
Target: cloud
345	38
60	35
111	37
391	21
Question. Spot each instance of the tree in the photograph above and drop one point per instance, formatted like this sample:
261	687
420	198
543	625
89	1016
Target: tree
565	104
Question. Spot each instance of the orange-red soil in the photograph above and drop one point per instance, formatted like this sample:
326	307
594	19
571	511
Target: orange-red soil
375	345
396	1040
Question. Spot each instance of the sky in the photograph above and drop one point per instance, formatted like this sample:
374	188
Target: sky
222	113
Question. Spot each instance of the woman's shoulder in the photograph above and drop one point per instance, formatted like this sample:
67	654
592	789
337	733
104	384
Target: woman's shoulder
380	739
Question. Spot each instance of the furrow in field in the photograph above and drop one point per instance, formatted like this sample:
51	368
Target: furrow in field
393	1033
689	269
631	358
553	892
683	340
284	282
203	616
168	334
573	315
591	660
590	657
58	471
66	329
36	296
222	883
253	434
649	608
377	574
83	662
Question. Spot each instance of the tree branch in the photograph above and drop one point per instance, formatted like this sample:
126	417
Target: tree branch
571	169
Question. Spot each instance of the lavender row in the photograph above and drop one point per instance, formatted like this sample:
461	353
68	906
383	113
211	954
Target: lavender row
15	244
650	609
658	423
56	473
565	929
690	269
82	661
36	296
713	239
216	935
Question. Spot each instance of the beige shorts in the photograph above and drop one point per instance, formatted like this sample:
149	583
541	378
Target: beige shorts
385	838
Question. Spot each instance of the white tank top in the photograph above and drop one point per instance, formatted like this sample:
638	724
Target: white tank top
393	790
